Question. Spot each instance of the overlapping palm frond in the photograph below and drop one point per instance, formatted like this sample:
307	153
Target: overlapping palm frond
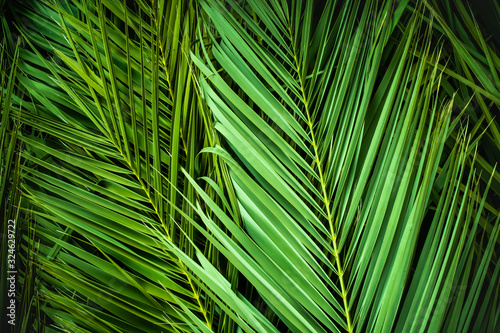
112	100
475	70
257	166
370	155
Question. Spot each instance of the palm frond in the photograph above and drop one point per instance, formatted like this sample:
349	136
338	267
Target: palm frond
257	166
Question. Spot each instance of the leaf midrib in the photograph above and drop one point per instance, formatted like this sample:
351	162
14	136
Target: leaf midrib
326	201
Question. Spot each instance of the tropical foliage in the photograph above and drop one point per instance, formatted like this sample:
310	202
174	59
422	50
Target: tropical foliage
256	166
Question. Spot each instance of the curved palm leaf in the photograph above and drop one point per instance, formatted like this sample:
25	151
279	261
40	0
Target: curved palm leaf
340	160
256	166
101	109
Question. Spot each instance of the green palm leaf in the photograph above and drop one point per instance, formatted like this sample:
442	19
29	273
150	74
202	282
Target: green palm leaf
257	166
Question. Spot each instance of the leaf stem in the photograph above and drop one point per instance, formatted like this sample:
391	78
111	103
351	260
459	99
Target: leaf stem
326	201
182	266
